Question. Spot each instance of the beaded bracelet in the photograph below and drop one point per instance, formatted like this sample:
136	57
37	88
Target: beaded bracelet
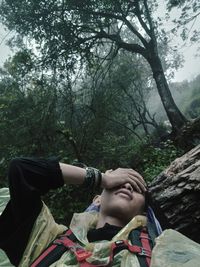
93	178
98	178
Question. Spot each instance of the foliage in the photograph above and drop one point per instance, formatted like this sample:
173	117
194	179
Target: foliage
190	13
150	161
187	96
156	159
194	106
68	34
28	112
63	202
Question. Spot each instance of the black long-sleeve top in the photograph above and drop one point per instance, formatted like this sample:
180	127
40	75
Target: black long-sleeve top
29	179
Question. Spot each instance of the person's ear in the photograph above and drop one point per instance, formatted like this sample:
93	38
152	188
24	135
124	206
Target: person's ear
97	200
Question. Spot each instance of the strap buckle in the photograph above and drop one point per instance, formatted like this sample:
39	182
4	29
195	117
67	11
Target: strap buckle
123	244
120	243
81	254
145	252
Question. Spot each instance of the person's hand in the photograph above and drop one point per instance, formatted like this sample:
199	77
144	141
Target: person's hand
120	176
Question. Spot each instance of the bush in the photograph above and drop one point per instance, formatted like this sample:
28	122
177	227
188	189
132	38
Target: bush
156	159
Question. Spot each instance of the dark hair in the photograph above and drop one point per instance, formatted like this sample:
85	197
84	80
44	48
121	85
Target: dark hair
148	200
163	220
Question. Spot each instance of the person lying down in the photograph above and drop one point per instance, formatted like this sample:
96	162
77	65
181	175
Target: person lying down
118	229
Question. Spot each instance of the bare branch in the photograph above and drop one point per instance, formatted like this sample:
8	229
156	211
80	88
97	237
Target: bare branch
192	18
131	27
149	18
117	122
142	23
102	14
136	48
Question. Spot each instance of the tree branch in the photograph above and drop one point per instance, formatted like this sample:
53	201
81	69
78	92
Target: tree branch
102	14
73	143
149	18
136	48
131	27
142	23
191	18
117	122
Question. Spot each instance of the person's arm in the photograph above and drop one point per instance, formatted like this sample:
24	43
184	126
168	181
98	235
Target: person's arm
76	175
29	178
72	174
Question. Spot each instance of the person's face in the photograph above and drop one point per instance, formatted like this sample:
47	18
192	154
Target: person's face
122	202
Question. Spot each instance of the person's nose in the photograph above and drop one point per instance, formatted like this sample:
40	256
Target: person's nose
128	186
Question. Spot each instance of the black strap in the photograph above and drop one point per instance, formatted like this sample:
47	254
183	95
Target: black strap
54	254
59	249
152	231
134	237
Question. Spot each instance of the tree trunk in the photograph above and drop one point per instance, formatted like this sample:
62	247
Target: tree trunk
176	194
175	117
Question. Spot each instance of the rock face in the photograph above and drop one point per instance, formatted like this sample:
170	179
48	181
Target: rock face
176	194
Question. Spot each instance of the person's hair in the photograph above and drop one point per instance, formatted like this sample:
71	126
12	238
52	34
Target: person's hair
148	200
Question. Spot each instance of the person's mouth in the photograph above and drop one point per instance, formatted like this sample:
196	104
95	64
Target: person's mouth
124	192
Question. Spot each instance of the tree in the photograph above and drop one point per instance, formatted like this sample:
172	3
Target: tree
176	194
72	29
130	82
28	111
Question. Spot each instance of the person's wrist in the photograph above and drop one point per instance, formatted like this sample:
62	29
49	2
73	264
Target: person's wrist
92	179
103	180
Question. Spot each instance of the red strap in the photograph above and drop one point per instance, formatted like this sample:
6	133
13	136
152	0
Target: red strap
43	255
124	244
82	254
144	237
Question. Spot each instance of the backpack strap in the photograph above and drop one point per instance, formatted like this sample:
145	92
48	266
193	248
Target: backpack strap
119	245
140	246
56	249
141	238
153	233
145	241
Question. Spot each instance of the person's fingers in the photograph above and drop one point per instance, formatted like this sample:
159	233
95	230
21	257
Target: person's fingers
138	183
120	176
109	171
131	172
136	174
134	185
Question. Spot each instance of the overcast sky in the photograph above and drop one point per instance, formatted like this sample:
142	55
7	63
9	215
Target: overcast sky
190	69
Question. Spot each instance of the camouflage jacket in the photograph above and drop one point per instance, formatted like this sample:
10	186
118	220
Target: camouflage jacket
46	230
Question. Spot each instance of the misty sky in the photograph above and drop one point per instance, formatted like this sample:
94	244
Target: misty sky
191	66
